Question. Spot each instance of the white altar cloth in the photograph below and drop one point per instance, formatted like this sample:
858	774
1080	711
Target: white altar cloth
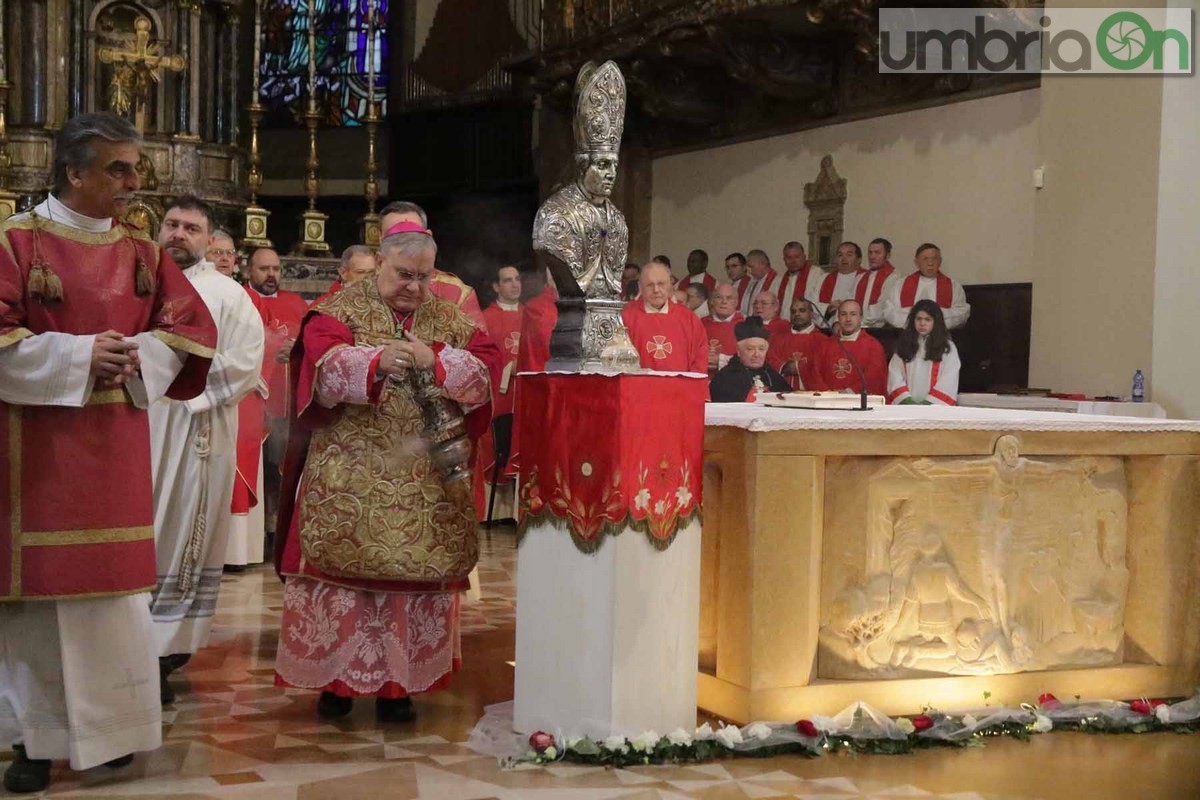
757	418
1035	403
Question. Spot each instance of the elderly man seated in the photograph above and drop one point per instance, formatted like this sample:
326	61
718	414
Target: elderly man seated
747	373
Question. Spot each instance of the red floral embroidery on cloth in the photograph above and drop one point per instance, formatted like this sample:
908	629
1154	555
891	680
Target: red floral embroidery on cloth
467	381
366	640
345	376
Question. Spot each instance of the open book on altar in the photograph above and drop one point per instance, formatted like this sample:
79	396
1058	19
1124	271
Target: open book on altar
832	400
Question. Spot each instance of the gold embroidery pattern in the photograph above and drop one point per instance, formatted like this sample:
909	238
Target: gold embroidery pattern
371	504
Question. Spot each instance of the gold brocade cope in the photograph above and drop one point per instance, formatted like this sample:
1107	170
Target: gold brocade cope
371	505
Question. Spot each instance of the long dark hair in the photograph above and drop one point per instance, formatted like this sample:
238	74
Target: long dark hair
938	343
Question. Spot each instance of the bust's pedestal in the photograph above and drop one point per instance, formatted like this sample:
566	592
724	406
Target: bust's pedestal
608	574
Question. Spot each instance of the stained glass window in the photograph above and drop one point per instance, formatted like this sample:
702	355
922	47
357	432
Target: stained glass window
341	58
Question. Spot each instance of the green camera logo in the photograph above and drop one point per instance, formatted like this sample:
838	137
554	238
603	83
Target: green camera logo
1125	41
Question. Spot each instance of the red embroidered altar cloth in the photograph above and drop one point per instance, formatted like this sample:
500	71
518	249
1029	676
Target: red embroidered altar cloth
603	453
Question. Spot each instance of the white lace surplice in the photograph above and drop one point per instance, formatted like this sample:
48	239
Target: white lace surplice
366	639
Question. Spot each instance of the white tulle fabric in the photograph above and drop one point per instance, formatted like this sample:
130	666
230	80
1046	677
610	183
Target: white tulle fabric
366	639
758	418
344	376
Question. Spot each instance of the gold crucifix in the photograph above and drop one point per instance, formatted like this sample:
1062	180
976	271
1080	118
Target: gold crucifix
136	70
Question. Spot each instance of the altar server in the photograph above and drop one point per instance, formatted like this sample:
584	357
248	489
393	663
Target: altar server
924	369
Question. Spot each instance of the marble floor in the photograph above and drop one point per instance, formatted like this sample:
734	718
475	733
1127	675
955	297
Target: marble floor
233	734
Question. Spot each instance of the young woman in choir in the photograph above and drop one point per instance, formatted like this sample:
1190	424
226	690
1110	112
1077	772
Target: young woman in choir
924	369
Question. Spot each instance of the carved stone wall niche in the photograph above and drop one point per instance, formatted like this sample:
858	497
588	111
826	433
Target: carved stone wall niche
825	199
1024	569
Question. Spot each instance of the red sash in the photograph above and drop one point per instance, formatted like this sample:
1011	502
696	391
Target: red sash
881	275
827	286
908	291
801	276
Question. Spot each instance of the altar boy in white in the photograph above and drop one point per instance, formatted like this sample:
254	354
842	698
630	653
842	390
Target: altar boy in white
194	450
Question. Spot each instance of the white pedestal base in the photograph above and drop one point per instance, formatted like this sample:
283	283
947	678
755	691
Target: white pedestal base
606	642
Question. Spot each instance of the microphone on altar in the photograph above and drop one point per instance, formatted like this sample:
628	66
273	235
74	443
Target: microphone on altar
862	376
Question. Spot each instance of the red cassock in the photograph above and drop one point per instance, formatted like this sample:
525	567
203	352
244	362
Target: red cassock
286	310
504	328
720	335
77	515
670	342
449	287
802	348
252	429
319	334
836	371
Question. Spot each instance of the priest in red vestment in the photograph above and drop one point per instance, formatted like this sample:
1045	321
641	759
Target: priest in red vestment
719	325
849	344
285	310
96	323
875	286
503	319
762	278
798	277
358	261
928	283
445	285
766	308
378	541
840	284
735	269
667	336
793	353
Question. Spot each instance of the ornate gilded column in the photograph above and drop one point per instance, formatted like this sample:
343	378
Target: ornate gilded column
33	63
232	30
76	88
183	46
369	222
312	222
256	215
8	200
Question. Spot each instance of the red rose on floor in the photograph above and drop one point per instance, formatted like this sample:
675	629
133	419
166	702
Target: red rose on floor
1049	702
540	740
806	728
1146	706
922	723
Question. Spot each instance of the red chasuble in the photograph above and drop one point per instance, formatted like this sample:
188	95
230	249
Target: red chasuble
803	348
448	286
286	310
77	515
836	372
252	429
720	334
777	326
538	318
671	342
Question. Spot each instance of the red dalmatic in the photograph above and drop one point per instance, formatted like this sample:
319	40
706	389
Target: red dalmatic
504	328
286	310
76	514
252	429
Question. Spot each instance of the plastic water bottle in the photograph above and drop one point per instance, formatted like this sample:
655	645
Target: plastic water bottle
1139	387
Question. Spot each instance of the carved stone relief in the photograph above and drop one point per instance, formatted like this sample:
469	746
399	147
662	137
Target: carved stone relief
825	199
965	566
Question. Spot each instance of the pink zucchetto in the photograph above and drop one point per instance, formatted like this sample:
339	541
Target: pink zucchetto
407	227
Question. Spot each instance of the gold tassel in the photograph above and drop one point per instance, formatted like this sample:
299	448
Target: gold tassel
44	285
144	284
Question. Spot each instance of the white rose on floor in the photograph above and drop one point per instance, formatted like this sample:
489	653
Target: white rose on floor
905	725
1042	723
679	737
646	741
704	733
616	744
729	736
969	721
1163	714
759	730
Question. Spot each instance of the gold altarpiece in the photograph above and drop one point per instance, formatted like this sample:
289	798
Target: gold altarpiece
173	67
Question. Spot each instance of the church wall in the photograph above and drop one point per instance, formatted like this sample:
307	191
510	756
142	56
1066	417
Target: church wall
958	175
1174	378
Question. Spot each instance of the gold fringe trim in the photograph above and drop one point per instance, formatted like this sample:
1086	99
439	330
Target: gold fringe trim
13	336
114	234
108	397
12	598
95	536
186	345
589	546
